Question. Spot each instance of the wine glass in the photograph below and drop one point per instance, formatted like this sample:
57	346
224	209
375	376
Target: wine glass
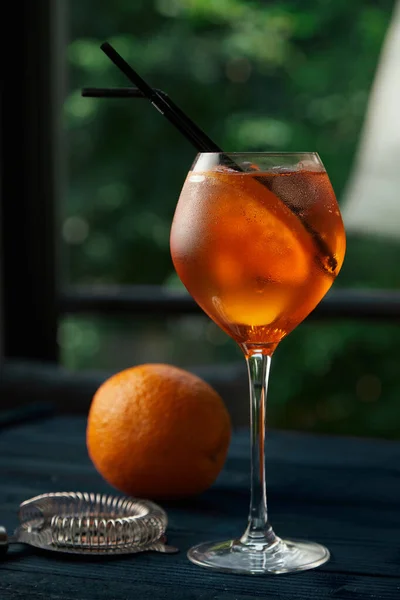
258	239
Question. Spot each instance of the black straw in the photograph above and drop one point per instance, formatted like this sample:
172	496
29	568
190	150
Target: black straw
163	104
161	101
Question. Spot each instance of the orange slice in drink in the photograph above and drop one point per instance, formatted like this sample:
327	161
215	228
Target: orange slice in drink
255	235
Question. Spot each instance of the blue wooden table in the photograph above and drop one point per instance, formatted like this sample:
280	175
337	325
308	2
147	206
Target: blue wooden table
344	493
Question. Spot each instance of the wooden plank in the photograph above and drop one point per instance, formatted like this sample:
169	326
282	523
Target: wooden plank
103	581
293	447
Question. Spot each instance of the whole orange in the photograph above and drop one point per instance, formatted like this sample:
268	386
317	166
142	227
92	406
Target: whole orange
158	431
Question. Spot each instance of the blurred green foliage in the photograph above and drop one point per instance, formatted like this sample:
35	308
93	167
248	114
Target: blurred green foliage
284	75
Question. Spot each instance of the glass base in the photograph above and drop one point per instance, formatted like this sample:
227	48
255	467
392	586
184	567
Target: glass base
283	556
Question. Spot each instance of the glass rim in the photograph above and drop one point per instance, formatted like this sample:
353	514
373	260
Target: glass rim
258	153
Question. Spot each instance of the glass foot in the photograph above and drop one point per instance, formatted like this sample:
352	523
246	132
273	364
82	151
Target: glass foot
283	556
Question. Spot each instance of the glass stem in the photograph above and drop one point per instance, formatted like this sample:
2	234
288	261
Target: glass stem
259	533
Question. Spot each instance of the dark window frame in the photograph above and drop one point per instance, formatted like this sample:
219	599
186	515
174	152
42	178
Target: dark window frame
30	163
153	300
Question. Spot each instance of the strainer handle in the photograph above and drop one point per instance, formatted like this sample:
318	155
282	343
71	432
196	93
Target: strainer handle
3	541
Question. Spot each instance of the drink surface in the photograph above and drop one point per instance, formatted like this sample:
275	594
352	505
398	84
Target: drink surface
257	251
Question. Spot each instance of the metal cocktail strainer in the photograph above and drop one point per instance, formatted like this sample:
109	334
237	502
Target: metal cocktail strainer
83	523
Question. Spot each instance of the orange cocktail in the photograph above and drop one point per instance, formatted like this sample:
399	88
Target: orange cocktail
258	250
258	241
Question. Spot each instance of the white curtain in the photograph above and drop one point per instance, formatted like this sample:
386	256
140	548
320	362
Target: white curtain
371	202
